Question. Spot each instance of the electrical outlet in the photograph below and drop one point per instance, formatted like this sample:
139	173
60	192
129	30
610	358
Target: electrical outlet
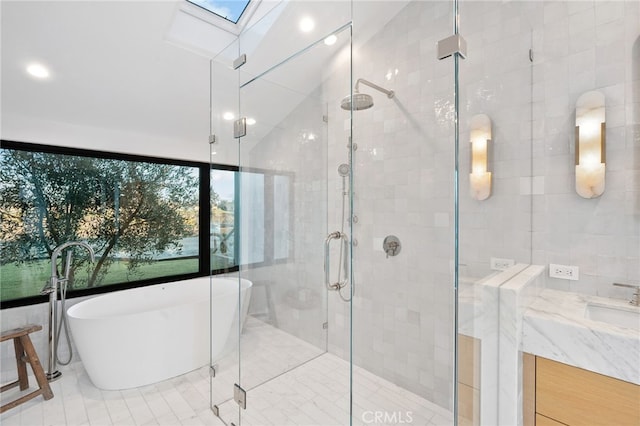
498	264
565	272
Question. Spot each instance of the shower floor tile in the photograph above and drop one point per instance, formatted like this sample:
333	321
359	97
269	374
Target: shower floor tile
316	392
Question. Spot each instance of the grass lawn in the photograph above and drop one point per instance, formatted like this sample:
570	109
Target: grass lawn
27	279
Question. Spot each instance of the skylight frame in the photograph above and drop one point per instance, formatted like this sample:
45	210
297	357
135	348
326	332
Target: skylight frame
239	17
217	21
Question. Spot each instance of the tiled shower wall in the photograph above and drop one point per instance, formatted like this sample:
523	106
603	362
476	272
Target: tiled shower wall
583	46
534	214
404	165
402	310
295	300
495	79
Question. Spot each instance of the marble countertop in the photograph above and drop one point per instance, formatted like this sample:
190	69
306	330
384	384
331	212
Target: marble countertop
555	327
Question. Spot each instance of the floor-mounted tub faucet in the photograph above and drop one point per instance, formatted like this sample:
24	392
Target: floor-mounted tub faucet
52	290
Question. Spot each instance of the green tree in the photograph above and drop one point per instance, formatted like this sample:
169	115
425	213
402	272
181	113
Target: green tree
124	206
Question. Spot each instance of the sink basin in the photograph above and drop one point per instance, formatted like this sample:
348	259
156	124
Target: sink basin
628	317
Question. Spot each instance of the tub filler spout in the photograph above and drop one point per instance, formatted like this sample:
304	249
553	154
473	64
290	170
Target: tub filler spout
59	284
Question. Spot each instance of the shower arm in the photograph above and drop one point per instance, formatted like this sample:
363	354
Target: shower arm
390	93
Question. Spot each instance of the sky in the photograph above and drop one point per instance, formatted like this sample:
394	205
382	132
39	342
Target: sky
229	9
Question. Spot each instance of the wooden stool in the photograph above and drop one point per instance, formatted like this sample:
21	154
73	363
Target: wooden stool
25	352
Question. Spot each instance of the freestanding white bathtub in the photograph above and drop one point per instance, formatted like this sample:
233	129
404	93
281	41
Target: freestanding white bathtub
145	335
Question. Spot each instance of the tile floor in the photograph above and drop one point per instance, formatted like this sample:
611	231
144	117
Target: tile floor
183	400
314	390
317	393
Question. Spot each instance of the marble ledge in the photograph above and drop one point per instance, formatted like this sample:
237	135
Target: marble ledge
478	301
554	327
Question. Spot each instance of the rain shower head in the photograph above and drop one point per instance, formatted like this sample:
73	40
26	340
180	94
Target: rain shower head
344	169
359	101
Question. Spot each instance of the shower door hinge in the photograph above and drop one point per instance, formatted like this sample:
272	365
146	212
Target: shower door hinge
216	411
325	325
240	396
240	61
212	139
452	45
325	118
240	128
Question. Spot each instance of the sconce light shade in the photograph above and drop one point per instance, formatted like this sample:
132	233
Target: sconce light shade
480	177
590	144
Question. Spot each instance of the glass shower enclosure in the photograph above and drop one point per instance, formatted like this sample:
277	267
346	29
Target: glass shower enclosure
390	187
270	116
344	212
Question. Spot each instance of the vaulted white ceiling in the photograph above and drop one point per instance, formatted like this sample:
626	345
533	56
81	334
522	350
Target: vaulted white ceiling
138	66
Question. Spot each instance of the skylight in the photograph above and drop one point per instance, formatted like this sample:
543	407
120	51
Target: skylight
231	10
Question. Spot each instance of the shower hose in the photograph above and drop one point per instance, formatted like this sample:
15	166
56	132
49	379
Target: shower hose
63	322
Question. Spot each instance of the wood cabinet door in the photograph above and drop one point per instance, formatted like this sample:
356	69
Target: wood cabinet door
574	396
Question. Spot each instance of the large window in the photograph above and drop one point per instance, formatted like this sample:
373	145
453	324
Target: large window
223	219
148	220
253	207
140	217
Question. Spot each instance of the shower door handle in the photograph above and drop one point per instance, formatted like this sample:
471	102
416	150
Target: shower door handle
337	235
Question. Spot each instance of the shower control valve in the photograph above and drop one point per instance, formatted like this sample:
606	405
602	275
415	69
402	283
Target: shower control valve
391	245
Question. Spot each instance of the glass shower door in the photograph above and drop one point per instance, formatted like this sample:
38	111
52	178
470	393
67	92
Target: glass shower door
495	204
283	187
283	222
403	310
225	286
271	119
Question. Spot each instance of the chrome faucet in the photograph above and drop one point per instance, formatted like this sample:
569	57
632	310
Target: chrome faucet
635	299
51	288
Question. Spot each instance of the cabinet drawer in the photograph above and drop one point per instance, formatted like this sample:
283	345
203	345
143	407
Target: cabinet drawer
575	396
546	421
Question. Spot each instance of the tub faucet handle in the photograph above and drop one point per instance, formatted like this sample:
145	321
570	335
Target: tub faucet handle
47	289
635	300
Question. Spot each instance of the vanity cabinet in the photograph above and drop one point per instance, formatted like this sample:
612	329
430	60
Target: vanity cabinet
560	394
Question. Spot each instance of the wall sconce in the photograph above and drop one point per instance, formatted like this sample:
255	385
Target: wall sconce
590	144
480	178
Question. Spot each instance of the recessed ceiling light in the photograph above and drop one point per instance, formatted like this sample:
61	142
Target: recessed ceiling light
228	115
38	71
251	121
331	40
306	24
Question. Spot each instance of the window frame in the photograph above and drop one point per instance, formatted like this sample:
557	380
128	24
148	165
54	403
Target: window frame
205	8
203	218
269	217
